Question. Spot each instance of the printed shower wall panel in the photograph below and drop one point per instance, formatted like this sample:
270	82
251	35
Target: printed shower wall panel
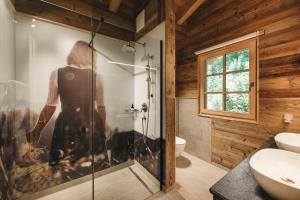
42	49
7	42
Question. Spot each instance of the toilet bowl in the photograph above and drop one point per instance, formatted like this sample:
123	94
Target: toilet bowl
180	145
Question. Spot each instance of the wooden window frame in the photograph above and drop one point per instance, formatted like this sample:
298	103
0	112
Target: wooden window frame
252	115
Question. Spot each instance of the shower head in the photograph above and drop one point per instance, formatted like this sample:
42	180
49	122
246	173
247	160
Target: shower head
128	48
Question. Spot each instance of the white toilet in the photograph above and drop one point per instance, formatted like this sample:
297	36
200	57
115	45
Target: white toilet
180	145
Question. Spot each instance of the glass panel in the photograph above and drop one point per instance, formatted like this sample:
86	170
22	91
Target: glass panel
128	100
237	82
238	60
214	65
53	142
214	102
67	112
8	98
214	83
237	103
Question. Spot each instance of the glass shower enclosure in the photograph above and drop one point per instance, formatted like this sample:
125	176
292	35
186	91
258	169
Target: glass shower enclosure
80	112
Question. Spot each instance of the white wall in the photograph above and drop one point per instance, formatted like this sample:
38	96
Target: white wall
44	48
7	42
152	40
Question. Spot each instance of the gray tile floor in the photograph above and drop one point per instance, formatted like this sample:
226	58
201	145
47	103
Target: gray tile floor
126	184
194	177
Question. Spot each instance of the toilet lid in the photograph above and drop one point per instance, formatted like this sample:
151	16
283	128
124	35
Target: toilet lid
180	140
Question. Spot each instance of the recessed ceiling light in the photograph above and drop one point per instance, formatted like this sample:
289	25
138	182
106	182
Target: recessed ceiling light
33	20
33	26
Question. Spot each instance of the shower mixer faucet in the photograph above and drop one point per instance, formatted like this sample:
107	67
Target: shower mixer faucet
144	107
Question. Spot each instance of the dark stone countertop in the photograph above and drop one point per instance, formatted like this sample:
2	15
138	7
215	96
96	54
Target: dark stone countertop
239	183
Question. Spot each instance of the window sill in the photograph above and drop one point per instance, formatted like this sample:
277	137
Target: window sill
252	121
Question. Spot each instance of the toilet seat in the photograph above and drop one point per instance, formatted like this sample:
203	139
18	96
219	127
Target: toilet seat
180	140
180	146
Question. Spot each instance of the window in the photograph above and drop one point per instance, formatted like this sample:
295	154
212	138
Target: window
227	79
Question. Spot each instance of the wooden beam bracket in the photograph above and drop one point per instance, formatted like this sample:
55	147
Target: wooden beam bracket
191	9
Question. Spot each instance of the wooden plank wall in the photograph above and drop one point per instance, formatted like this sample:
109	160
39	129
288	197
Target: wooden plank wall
217	21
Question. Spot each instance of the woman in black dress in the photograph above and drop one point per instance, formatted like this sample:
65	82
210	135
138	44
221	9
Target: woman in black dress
75	137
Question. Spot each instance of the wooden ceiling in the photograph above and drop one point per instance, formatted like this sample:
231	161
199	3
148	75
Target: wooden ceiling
119	15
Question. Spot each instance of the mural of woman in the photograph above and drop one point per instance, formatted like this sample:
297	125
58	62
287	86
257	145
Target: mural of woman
73	134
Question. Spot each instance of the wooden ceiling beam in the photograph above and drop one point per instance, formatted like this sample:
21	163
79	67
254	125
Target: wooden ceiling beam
60	15
190	9
87	9
114	5
12	2
141	6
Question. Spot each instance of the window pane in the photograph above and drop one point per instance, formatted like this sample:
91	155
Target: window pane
214	83
214	101
237	103
214	65
237	82
238	60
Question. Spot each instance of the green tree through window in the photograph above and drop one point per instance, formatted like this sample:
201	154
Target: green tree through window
237	80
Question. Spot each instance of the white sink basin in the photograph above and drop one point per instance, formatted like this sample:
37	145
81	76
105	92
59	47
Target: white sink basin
277	172
288	141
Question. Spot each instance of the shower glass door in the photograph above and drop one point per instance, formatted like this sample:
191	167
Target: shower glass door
128	102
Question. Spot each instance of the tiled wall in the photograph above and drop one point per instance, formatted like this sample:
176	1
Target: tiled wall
194	129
